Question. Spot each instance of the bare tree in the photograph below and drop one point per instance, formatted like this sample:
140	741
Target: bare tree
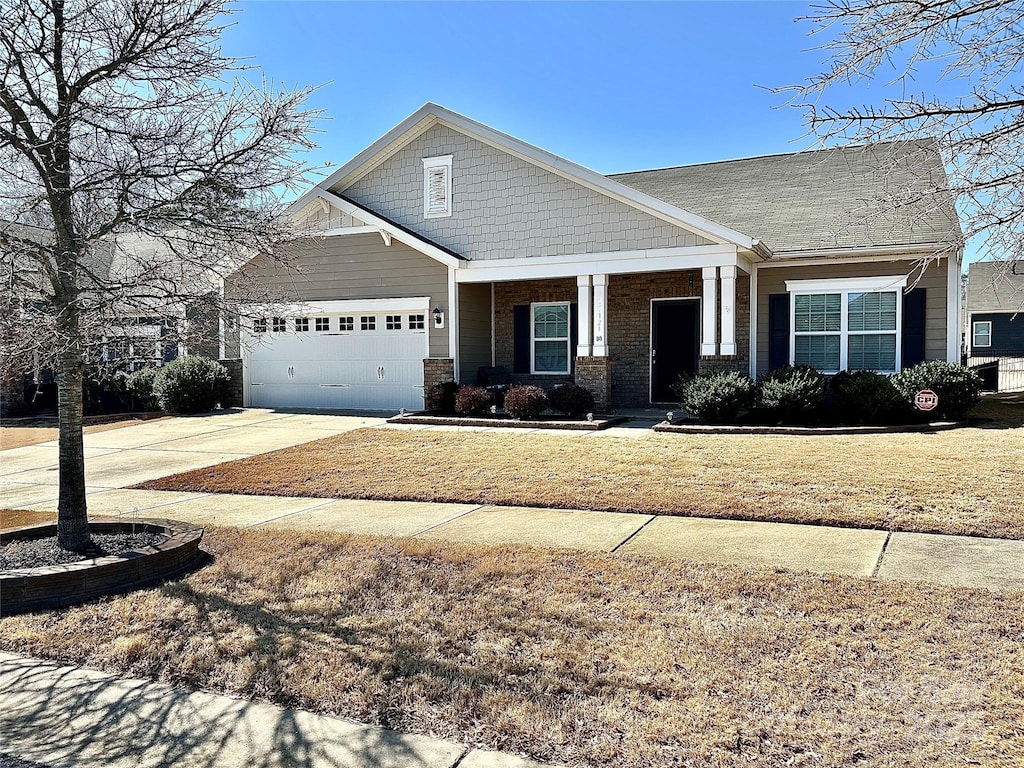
977	46
122	126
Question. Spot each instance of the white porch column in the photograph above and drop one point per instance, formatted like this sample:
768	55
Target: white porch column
728	310
583	345
600	315
709	321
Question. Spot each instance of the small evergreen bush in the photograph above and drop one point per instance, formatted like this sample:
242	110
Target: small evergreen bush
793	395
717	396
866	397
139	386
191	384
440	398
473	401
957	386
526	402
572	400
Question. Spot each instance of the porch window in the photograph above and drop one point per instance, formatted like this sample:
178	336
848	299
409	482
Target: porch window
851	325
549	342
982	336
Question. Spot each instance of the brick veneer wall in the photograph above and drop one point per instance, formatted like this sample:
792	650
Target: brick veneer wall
595	374
437	370
629	326
235	395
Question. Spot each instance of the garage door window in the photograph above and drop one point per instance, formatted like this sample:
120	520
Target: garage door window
301	324
346	323
417	322
368	323
322	323
278	325
259	325
393	322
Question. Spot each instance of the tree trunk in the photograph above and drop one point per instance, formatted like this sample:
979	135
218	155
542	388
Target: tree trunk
72	518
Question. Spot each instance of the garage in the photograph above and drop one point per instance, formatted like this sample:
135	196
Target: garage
342	354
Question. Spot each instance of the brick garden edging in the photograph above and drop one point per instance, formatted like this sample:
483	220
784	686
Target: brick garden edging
56	586
599	422
751	429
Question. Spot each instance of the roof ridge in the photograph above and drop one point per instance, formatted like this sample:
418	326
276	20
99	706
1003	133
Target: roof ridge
843	148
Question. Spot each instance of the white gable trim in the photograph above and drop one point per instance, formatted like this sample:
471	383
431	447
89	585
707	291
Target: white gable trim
431	114
388	230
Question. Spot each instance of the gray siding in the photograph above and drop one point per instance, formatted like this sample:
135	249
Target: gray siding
504	207
474	329
350	267
773	280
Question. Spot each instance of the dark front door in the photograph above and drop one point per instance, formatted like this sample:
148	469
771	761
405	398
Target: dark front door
675	345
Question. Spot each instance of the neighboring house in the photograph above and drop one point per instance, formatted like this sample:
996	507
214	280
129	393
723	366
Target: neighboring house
995	323
447	247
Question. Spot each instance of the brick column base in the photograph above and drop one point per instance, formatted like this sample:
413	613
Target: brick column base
437	370
234	369
595	374
718	363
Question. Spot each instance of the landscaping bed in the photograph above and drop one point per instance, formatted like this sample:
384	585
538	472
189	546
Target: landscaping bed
967	481
573	658
502	420
694	428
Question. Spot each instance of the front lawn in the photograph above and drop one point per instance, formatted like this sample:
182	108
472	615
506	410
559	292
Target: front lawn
965	481
573	658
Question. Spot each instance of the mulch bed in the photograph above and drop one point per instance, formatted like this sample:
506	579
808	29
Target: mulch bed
503	420
35	553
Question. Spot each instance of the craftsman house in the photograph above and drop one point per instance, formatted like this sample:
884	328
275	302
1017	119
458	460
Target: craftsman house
448	247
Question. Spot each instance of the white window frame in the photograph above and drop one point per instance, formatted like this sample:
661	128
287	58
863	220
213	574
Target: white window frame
974	334
346	324
417	322
534	339
302	325
430	165
322	324
392	322
844	287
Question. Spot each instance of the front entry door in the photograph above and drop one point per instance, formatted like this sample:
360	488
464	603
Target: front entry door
675	345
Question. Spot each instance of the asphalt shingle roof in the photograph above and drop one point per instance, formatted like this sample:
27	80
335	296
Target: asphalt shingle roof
831	198
995	286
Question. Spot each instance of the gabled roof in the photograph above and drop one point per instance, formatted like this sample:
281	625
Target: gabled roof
432	114
995	286
824	199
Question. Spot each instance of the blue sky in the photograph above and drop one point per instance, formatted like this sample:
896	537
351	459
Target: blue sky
614	86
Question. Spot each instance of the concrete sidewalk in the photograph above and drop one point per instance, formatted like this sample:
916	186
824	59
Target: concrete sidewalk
951	560
67	716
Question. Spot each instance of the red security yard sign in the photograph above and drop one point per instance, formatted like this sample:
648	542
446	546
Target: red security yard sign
926	400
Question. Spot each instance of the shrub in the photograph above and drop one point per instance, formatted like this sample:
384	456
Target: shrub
716	396
866	397
139	386
958	387
526	402
473	400
440	398
191	384
572	400
793	394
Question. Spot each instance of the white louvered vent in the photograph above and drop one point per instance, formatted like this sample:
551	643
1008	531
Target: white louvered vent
437	186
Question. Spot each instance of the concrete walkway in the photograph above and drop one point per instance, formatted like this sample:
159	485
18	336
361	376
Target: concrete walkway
73	717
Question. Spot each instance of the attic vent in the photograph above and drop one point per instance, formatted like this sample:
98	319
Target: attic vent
437	186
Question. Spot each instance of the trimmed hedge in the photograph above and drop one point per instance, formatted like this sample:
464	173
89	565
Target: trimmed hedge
794	394
957	386
866	397
191	384
440	398
526	402
572	400
473	401
716	396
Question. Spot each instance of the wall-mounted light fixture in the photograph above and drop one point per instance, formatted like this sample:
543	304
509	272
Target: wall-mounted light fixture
438	318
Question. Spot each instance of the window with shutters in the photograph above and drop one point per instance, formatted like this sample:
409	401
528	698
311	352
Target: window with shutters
846	325
437	187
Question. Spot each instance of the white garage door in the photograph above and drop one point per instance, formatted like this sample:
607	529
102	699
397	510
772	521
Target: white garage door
370	359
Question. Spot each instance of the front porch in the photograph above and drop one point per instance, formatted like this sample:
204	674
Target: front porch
626	337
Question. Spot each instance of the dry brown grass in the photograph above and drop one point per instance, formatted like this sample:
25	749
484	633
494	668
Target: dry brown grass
575	658
17	518
43	431
965	481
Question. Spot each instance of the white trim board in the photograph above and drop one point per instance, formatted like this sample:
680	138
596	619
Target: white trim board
431	114
866	284
342	306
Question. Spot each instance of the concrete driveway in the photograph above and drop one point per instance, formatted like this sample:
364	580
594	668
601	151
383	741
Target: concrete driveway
121	457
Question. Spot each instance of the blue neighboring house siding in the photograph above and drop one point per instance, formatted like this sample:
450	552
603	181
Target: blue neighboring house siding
1007	333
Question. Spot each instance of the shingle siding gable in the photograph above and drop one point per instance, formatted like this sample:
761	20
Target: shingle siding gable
505	207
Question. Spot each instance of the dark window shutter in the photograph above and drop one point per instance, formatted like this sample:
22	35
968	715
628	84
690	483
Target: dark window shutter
778	330
521	338
913	327
574	334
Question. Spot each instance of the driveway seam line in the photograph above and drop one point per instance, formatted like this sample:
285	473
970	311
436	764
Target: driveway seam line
631	536
466	749
881	554
450	520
